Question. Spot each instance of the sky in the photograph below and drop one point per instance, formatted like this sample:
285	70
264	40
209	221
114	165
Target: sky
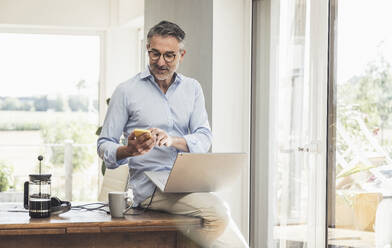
362	26
36	64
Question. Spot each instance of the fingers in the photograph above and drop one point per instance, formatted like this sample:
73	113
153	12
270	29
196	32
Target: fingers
154	132
141	144
167	141
144	137
132	136
145	142
161	137
142	148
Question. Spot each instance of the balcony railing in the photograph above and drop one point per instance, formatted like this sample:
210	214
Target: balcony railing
69	147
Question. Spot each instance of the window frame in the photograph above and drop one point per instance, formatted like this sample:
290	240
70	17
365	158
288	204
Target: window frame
331	121
263	29
102	35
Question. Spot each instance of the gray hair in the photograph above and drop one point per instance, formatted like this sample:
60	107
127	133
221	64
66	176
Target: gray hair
166	28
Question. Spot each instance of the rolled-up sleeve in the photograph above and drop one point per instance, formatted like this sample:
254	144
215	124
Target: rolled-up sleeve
200	137
112	129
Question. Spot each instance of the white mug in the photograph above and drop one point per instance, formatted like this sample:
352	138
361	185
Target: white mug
117	204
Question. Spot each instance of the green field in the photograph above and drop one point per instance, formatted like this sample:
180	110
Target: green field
29	120
36	117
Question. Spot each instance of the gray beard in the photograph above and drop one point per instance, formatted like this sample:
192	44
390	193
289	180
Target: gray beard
162	77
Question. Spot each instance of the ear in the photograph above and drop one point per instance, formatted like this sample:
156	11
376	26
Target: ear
182	54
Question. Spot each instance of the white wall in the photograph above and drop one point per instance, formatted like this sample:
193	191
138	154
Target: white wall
77	14
130	11
121	46
121	53
85	14
70	13
231	94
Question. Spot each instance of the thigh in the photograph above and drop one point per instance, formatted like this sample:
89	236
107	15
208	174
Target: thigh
192	204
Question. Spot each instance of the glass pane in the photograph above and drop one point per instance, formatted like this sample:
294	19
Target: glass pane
363	147
48	98
291	96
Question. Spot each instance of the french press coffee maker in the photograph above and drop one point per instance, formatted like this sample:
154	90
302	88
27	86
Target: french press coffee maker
37	197
37	194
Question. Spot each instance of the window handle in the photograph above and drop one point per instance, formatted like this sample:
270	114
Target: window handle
302	149
314	146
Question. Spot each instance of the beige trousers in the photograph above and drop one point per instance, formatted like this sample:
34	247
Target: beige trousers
218	229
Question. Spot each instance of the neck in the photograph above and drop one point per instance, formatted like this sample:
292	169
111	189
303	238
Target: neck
165	84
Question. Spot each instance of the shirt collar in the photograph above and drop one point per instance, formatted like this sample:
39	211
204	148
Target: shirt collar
146	73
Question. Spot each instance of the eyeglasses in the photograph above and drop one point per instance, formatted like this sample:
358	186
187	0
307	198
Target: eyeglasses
155	56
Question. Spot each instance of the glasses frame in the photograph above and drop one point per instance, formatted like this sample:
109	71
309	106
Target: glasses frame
164	56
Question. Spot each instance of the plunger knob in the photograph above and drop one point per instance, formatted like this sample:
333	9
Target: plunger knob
40	158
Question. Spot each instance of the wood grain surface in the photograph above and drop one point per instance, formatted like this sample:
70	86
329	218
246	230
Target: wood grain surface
94	221
81	228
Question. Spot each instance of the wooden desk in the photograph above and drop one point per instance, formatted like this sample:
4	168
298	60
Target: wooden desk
80	228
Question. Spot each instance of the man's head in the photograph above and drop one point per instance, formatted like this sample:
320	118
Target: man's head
165	46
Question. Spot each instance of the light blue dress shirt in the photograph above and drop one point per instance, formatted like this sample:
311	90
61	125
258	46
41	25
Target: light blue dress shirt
140	103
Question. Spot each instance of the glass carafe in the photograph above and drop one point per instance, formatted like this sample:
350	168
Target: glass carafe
37	195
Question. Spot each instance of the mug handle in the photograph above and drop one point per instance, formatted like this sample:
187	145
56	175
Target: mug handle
126	201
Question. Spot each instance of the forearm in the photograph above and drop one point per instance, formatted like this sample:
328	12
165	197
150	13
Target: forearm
180	144
199	142
107	151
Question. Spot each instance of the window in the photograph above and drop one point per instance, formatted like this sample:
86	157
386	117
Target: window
49	106
361	124
289	110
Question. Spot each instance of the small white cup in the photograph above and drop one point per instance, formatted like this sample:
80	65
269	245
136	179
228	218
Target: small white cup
117	204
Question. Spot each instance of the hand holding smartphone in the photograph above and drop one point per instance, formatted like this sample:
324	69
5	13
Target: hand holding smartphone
139	132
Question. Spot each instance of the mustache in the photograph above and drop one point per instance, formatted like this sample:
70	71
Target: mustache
161	67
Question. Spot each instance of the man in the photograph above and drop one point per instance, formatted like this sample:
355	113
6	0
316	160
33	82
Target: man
172	107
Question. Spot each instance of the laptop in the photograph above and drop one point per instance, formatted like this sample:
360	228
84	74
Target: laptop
200	172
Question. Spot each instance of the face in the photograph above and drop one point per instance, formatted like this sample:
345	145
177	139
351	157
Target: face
164	69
